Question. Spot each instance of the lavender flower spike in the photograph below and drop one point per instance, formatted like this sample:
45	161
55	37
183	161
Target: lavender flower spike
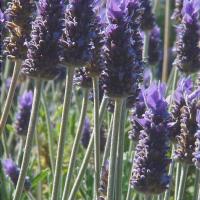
188	33
177	15
12	171
44	49
82	39
23	115
149	173
122	73
18	18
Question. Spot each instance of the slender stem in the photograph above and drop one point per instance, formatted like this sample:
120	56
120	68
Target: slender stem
30	196
113	151
160	197
196	186
155	5
145	54
108	142
97	164
29	139
120	153
10	96
21	148
148	197
177	181
166	41
75	145
49	132
182	182
171	172
63	134
4	77
88	153
39	187
5	146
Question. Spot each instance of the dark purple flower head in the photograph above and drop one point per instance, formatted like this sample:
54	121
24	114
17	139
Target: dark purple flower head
18	17
122	73
154	46
187	44
23	115
190	11
12	171
149	173
43	48
83	36
155	100
148	18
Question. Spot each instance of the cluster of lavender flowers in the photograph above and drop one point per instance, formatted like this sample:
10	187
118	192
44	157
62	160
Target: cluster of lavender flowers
188	33
149	173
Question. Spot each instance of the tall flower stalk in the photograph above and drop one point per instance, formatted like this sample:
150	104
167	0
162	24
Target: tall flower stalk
122	72
41	64
75	145
88	153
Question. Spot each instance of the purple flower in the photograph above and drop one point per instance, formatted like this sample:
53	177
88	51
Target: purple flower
86	134
18	17
12	171
150	164
148	18
44	50
154	46
23	115
190	11
83	36
188	33
155	100
122	73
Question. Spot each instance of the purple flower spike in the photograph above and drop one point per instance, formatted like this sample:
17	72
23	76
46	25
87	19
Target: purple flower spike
177	16
122	73
44	50
188	33
23	115
154	46
12	171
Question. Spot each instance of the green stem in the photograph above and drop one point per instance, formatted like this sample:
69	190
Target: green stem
182	183
29	139
171	172
148	197
10	96
88	153
75	145
113	151
97	164
145	54
4	77
39	186
21	148
30	196
63	134
108	142
197	183
177	181
120	152
49	133
166	41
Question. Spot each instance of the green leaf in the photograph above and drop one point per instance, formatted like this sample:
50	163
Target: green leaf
40	177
